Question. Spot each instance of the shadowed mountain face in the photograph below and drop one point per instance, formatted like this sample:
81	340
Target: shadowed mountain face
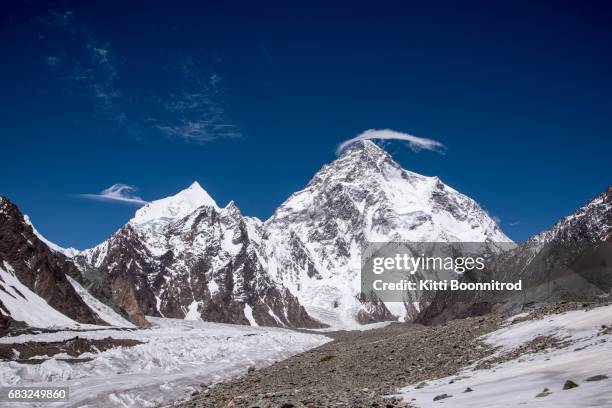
42	270
570	261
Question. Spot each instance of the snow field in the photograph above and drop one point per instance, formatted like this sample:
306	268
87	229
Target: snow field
176	357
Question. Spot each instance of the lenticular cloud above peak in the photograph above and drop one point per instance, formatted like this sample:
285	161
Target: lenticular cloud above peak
118	192
414	142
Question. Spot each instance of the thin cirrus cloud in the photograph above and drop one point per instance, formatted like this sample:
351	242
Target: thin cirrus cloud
415	143
192	109
91	66
195	111
117	193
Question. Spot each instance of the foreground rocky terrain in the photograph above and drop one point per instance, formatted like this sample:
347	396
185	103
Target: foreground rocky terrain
360	368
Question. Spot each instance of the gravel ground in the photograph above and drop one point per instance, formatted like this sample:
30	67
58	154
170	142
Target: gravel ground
358	368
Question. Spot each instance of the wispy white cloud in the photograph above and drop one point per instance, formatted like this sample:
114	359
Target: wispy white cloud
53	61
193	109
91	65
414	142
121	193
61	19
514	223
105	75
197	108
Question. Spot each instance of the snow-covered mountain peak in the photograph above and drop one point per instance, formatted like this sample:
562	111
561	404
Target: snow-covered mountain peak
175	207
364	162
363	154
316	237
232	207
367	146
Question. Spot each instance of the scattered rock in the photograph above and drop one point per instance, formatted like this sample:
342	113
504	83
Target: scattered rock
569	384
545	392
421	385
441	397
598	377
468	389
326	358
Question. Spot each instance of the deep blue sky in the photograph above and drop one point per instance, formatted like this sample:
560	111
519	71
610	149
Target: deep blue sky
252	99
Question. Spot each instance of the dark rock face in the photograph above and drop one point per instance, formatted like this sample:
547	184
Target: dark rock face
373	311
40	269
119	273
571	261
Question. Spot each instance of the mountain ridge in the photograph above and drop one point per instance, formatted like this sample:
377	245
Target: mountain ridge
183	256
308	250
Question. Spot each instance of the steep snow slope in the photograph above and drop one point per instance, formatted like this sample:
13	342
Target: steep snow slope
20	303
316	237
103	311
159	213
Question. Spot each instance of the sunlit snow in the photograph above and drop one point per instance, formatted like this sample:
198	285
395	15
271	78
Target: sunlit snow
517	382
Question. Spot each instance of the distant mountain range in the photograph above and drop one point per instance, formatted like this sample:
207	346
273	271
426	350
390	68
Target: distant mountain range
186	257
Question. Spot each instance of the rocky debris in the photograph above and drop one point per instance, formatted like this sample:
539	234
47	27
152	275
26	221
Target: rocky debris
569	384
38	352
441	397
541	310
538	345
365	367
597	377
468	389
10	326
545	392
